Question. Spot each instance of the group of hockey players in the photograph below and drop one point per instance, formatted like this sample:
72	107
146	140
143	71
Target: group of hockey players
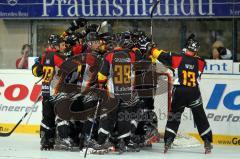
95	86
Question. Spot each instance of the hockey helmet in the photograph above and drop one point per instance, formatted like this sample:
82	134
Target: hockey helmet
143	42
127	39
72	39
192	45
92	36
117	40
55	39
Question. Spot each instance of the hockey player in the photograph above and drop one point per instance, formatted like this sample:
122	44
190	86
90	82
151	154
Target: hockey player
147	128
186	93
85	79
117	75
46	68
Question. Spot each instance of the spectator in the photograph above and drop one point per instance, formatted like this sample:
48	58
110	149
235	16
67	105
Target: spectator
22	62
220	52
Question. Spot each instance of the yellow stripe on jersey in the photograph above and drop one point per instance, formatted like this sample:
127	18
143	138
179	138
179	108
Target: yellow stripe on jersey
154	60
156	52
79	68
34	72
101	77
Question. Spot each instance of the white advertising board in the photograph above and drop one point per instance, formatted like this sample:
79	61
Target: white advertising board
17	94
221	101
236	68
219	66
220	93
31	62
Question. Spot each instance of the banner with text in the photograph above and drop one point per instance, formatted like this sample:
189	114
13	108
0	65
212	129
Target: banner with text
112	9
18	94
219	66
236	68
220	93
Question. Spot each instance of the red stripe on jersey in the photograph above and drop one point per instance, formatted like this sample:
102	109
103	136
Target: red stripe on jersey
42	59
109	57
49	49
77	49
58	61
176	60
90	59
132	56
201	65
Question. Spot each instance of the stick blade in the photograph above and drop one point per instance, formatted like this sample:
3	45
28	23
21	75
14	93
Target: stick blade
5	134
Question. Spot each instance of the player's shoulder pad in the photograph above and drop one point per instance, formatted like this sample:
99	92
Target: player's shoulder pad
108	56
200	58
37	70
108	53
135	49
170	53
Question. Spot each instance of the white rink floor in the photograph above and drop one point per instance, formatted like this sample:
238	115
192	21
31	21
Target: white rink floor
27	147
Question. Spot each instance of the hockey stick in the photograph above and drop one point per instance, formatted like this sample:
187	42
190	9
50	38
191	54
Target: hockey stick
39	80
9	133
153	9
94	120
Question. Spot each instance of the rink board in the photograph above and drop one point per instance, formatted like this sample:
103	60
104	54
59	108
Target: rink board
221	98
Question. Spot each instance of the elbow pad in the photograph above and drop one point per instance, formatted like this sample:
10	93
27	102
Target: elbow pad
37	70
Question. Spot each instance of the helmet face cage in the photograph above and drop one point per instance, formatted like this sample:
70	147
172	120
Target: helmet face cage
143	41
54	39
117	40
72	39
193	45
92	36
127	40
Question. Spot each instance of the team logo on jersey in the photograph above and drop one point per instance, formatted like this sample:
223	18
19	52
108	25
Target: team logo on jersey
12	2
122	60
190	67
48	61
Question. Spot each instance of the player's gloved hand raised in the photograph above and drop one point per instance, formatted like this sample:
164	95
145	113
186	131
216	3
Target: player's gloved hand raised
149	48
37	68
76	24
91	28
81	22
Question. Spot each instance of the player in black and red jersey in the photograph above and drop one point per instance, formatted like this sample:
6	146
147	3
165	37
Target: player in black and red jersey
46	68
117	75
188	69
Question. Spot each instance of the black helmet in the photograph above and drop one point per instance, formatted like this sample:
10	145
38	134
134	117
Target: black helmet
92	36
91	28
193	45
54	39
143	41
118	39
72	39
127	39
